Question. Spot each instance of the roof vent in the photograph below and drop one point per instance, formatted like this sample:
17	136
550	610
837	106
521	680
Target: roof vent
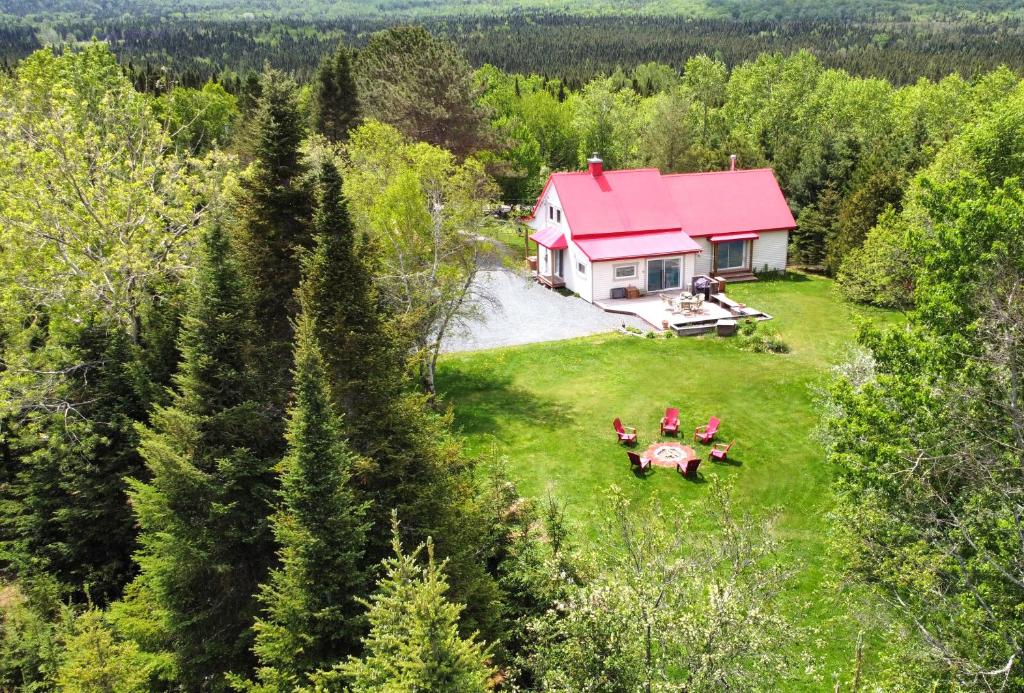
595	165
732	162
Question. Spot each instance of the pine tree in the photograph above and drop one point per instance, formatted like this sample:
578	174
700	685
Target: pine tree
205	538
335	102
414	642
272	210
312	619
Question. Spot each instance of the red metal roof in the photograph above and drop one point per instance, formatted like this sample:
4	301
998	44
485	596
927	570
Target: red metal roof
728	202
629	201
722	237
623	246
550	238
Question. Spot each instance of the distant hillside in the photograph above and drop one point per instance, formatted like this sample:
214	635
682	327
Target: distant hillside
329	9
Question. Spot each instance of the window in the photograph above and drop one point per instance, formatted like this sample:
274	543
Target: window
558	213
625	271
551	212
730	255
581	268
663	274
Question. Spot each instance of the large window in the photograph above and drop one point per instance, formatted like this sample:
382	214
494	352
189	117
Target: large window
625	271
663	274
730	255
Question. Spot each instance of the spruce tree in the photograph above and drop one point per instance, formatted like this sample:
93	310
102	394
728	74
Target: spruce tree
272	210
412	464
312	619
414	642
64	511
205	538
335	102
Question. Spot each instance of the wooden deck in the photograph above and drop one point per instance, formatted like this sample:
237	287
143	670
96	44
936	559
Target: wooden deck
549	280
652	310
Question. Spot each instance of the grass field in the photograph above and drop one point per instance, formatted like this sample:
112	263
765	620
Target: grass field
547	409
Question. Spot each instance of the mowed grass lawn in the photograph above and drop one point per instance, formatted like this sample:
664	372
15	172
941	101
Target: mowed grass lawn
547	409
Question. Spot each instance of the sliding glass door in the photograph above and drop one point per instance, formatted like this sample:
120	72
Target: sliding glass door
663	274
731	255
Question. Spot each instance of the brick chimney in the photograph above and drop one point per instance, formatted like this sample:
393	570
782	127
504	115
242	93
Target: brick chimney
595	165
732	162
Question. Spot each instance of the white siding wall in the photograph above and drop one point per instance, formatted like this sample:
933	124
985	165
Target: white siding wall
580	282
705	258
770	249
604	276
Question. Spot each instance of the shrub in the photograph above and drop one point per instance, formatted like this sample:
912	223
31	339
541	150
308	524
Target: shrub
760	340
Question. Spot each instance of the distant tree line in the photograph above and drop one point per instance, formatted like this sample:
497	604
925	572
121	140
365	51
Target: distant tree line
571	47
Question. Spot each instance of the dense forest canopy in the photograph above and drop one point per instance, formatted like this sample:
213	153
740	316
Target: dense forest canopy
232	250
753	9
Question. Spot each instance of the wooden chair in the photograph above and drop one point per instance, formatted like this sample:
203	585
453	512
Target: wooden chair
641	463
688	468
719	451
627	434
670	422
705	434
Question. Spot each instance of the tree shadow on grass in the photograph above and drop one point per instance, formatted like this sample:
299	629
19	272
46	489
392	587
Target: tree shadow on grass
788	277
485	402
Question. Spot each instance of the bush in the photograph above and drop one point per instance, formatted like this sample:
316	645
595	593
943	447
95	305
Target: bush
760	340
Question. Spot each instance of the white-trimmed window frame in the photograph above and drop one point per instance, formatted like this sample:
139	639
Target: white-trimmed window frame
635	266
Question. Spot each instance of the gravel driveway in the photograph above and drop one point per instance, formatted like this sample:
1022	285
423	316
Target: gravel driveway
524	312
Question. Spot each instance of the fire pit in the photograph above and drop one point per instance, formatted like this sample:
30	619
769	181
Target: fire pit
669	454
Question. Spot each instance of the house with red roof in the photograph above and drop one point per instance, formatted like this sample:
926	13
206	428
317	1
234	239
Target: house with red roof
598	231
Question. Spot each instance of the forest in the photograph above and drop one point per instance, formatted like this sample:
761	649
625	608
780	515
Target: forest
225	459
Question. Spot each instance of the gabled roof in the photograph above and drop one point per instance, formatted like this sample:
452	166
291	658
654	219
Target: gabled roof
729	201
630	201
638	201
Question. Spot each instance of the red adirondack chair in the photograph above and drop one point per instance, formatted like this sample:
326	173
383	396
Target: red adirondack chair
670	422
641	463
627	434
706	434
719	451
688	467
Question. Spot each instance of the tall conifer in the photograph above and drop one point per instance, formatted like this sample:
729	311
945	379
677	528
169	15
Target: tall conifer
272	210
335	102
205	537
312	619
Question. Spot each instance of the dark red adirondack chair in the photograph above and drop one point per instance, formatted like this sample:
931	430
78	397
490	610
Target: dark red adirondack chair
641	463
627	434
706	434
670	422
719	451
688	467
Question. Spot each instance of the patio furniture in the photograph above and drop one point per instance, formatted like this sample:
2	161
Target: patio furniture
641	463
706	433
688	467
720	451
627	434
670	422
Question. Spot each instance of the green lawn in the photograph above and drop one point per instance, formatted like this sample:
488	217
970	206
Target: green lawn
547	409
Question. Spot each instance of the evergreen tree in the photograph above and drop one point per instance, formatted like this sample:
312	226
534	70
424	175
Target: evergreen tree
312	618
815	228
205	537
64	510
414	642
335	102
272	212
411	464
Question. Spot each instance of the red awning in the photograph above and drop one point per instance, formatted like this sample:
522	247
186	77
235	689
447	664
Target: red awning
599	248
550	238
725	237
